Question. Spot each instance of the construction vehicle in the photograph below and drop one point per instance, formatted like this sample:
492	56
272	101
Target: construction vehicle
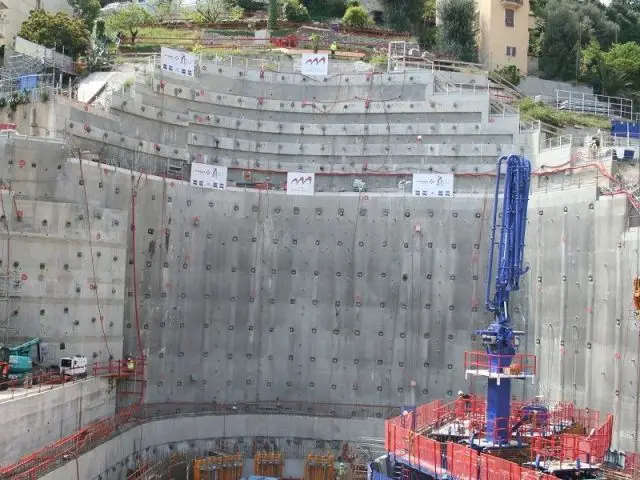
73	367
16	363
17	367
500	340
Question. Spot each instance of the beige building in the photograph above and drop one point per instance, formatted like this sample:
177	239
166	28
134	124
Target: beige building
503	35
14	12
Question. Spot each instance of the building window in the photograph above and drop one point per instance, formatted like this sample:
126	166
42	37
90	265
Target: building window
511	51
509	17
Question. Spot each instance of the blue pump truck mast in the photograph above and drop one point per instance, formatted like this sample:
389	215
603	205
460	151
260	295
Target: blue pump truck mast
499	339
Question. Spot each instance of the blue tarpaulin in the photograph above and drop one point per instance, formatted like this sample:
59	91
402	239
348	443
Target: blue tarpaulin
28	82
625	129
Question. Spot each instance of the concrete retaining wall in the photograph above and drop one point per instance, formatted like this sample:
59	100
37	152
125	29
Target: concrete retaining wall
199	434
42	415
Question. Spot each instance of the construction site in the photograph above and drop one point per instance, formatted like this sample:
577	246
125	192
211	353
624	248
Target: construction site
313	268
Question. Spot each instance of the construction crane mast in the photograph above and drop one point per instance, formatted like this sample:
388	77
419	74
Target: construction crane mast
499	339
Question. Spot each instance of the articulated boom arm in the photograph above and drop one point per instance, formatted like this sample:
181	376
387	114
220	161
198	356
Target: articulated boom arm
24	350
509	264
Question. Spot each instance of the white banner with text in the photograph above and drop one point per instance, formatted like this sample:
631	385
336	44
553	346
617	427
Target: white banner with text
175	61
315	64
299	183
432	185
208	176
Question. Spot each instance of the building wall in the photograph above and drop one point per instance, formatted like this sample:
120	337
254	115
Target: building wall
17	12
495	36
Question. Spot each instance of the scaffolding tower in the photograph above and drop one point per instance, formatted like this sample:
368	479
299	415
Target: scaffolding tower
11	301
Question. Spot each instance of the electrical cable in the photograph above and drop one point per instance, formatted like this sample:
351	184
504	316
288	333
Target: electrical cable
93	264
134	193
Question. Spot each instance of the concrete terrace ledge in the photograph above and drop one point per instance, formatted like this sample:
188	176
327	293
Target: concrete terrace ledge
168	424
137	108
423	152
264	74
465	102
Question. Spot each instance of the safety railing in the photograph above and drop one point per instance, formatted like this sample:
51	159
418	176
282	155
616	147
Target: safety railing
119	368
529	126
452	88
34	384
274	407
481	363
450	459
502	109
557	142
590	448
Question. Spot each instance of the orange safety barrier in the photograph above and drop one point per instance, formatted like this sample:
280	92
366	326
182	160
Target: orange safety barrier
482	363
268	464
494	468
462	462
319	467
45	459
632	465
221	467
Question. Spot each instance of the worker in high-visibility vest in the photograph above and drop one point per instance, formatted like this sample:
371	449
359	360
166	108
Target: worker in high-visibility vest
131	364
342	471
333	48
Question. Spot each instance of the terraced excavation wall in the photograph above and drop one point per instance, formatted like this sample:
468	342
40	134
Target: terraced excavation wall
367	298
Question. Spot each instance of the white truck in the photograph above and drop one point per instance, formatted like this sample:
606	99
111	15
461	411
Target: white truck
74	367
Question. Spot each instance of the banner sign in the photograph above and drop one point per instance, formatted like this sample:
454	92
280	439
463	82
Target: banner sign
432	185
208	176
315	64
175	61
299	183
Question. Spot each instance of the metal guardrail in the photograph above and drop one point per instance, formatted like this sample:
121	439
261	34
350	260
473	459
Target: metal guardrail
557	142
612	107
48	56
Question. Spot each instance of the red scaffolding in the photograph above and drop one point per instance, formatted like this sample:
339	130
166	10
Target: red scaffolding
404	438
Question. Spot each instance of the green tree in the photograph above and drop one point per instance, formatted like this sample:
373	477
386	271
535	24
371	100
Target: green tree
561	32
356	17
565	28
458	31
129	19
626	15
604	77
294	11
404	15
166	10
210	11
56	30
273	15
509	75
87	10
623	60
428	34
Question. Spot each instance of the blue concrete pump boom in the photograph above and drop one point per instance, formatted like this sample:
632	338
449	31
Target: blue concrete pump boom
499	339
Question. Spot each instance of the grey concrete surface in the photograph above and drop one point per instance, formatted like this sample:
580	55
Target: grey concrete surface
294	436
40	416
249	295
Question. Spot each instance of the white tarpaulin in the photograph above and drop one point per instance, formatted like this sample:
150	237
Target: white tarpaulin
175	61
432	185
315	64
208	176
299	183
